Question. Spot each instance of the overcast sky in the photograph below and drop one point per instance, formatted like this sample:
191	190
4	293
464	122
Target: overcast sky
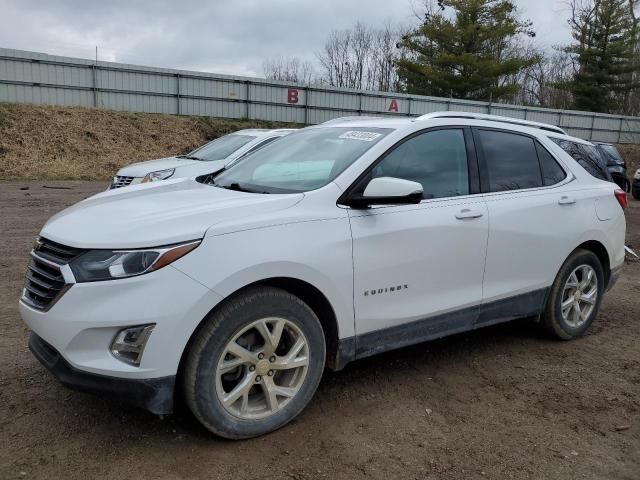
222	36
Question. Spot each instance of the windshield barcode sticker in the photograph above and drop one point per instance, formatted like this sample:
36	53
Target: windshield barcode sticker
358	135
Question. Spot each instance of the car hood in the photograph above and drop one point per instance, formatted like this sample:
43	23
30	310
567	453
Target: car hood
154	214
140	169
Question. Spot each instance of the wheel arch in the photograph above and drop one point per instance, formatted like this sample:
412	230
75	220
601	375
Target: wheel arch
305	291
601	252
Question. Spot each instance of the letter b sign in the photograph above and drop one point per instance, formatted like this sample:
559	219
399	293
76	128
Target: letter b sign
293	95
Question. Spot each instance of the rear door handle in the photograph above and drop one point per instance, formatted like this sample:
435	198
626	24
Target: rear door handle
566	200
466	213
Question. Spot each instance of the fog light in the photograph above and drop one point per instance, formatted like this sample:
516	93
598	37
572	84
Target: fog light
128	345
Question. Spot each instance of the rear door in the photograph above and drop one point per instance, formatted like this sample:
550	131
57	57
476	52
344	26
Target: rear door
534	213
415	263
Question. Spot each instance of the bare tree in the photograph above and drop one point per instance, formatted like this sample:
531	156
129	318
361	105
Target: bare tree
385	52
335	59
289	70
543	82
362	57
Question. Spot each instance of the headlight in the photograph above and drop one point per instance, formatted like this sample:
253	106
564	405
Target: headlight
159	175
96	265
637	175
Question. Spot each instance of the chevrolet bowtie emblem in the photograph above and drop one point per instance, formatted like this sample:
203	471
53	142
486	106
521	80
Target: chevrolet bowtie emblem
36	244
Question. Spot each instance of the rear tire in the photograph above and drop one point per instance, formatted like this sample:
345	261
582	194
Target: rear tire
636	193
255	363
575	296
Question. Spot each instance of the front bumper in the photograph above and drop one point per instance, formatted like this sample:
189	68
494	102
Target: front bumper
84	321
153	394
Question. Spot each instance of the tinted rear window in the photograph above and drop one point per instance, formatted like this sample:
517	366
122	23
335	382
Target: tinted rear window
511	159
587	156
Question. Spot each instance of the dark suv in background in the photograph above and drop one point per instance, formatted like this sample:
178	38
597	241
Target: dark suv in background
615	164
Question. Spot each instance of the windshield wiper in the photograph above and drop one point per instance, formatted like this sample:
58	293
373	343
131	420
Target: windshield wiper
235	186
189	157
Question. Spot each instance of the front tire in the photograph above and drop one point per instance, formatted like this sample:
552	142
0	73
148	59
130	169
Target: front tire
255	363
575	296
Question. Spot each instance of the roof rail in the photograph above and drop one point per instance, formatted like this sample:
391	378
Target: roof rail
282	130
492	118
351	119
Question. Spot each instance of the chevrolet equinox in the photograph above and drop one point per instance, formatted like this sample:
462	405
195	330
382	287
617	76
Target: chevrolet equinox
337	242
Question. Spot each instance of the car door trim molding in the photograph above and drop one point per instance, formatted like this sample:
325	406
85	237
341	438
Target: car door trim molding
441	325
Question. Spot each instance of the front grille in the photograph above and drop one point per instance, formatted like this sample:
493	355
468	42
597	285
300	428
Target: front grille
121	181
56	252
45	282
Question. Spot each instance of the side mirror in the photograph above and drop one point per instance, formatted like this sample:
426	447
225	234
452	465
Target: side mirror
388	191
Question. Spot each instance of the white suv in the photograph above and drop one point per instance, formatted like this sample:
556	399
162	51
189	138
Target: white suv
209	158
334	243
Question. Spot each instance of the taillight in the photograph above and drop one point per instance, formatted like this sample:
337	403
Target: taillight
621	196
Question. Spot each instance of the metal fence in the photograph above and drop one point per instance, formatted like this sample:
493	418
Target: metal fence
31	77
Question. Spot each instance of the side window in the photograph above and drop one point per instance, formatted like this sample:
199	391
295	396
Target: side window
597	160
436	159
552	173
511	159
587	159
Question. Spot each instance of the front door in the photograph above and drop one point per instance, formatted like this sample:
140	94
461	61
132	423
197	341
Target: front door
421	264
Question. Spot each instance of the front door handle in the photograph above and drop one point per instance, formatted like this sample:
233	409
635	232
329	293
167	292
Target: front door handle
566	200
466	213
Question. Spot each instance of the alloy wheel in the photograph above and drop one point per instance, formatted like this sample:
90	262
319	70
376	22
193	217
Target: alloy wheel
262	368
579	296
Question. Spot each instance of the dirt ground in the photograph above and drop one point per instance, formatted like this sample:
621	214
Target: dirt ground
503	402
76	143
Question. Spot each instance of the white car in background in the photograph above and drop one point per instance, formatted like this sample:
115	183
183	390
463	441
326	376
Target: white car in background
209	158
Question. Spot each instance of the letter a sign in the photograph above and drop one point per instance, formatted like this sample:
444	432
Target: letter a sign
393	106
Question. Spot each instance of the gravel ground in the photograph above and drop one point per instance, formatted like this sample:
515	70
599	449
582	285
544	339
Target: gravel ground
503	402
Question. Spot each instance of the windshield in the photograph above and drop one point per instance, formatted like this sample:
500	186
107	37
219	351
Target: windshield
221	148
301	161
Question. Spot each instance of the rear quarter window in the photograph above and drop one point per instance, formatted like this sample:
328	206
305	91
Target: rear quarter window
552	172
611	152
586	156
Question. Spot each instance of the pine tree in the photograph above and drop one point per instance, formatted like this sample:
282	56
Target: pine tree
605	38
464	49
